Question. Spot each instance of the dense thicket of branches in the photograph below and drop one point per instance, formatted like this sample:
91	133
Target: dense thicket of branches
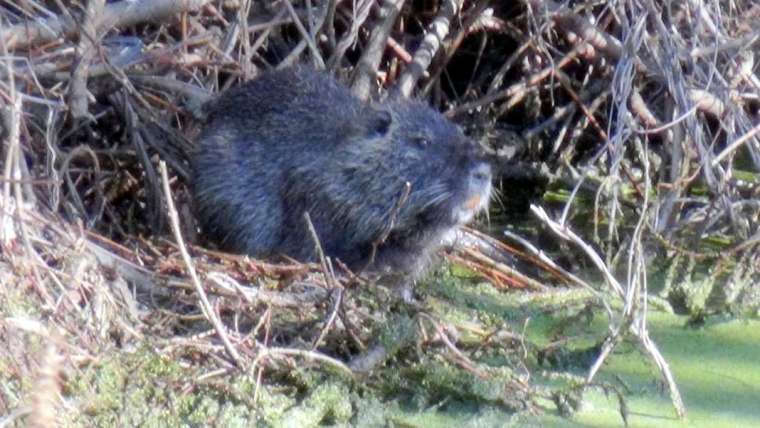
635	123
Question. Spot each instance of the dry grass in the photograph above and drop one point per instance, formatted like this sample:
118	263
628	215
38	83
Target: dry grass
647	116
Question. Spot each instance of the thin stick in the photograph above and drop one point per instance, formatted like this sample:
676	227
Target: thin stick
330	280
307	37
88	40
119	14
366	69
437	31
633	318
208	311
311	355
735	145
565	233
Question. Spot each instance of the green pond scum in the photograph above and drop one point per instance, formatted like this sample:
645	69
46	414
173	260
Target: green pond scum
715	366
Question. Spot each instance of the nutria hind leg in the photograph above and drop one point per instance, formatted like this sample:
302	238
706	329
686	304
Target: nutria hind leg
240	217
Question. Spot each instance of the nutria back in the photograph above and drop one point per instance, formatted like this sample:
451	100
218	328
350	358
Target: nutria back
383	183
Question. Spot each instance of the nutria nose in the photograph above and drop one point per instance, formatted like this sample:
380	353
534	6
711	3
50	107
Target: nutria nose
482	173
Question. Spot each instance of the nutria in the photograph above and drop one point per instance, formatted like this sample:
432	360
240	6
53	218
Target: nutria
383	183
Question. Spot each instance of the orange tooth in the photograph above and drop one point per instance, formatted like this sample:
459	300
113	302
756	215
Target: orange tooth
473	202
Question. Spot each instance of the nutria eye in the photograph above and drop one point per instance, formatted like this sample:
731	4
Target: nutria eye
422	142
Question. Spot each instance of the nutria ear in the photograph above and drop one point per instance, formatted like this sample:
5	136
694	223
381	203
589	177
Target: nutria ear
377	122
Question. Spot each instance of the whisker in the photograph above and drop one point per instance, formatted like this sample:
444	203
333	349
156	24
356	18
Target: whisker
496	196
437	199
